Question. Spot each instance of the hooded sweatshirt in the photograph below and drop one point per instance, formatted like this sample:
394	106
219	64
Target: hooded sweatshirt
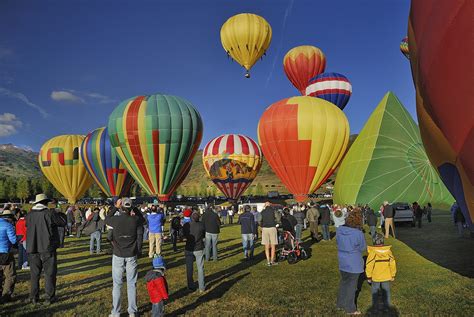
350	245
380	265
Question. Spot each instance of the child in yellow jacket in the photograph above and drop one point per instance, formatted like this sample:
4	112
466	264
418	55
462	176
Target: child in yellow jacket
380	269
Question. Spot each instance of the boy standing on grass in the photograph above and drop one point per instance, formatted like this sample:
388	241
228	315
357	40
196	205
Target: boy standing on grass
380	269
157	286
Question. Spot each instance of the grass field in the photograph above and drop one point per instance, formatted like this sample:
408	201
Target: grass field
237	288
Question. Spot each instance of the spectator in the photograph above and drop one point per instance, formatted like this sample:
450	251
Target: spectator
325	221
93	228
7	261
42	240
231	215
388	213
350	245
371	222
224	214
157	286
175	229
418	213
288	221
20	229
70	220
269	233
380	270
156	220
77	220
140	230
312	216
429	211
61	230
338	217
298	214
212	224
124	240
187	215
194	234
257	217
458	218
248	229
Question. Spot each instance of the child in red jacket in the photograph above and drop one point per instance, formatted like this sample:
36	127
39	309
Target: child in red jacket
157	286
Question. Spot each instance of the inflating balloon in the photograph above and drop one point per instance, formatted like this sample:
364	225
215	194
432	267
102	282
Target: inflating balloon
156	138
303	63
303	139
404	47
441	50
246	37
232	161
103	164
333	87
59	160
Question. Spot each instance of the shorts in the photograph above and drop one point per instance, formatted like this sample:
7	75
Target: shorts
269	236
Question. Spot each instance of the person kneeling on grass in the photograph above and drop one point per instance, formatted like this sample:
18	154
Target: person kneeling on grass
380	269
157	286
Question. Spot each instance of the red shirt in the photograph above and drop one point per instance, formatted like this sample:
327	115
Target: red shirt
20	228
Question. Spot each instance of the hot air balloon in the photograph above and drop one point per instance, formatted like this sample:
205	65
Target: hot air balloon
404	47
443	73
60	162
303	63
333	87
246	37
156	138
103	164
232	161
303	140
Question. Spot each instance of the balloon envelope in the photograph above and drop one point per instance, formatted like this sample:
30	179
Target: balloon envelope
333	87
404	47
60	163
232	161
103	164
246	37
302	63
156	138
303	140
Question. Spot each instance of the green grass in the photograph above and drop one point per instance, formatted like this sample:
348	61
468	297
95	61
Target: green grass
237	288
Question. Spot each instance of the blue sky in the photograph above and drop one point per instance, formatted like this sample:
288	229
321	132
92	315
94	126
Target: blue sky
65	65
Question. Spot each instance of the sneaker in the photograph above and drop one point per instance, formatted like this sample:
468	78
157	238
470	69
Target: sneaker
50	301
269	263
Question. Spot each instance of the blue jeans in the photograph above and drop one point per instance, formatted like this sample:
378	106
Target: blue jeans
372	231
145	233
95	237
247	243
385	287
119	265
298	229
158	309
199	257
211	242
22	256
326	234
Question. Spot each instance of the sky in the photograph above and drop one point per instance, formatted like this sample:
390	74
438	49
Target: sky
65	65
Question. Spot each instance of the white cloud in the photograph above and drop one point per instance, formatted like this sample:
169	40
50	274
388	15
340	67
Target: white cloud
9	123
99	97
62	95
24	99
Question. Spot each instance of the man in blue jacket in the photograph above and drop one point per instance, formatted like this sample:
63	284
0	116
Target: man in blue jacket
156	220
7	261
248	229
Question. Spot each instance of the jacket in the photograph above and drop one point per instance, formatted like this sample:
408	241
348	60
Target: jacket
211	222
125	227
77	216
371	218
194	234
157	286
325	215
268	218
388	211
299	216
92	225
350	245
312	215
155	222
247	223
7	236
288	223
20	229
70	215
42	229
380	265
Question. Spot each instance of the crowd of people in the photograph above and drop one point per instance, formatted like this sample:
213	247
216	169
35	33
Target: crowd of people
39	233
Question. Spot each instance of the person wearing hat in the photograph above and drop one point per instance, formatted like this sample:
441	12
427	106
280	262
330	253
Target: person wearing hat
312	216
124	259
42	240
157	286
7	261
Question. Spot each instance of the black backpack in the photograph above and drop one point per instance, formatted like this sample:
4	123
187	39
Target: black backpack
176	223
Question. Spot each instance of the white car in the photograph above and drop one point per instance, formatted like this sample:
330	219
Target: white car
403	213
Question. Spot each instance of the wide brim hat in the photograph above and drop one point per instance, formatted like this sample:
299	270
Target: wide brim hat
41	198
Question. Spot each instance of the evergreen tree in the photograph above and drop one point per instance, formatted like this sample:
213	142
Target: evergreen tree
2	189
23	189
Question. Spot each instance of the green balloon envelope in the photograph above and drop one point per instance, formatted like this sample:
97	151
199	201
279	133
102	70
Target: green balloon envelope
388	162
156	138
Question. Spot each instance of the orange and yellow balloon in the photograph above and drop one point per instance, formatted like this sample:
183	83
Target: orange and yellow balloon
303	139
303	63
246	37
61	164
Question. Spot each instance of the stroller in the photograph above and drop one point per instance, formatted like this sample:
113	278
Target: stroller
289	248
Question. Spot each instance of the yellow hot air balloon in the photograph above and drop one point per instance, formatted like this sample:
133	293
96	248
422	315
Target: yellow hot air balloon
61	163
246	37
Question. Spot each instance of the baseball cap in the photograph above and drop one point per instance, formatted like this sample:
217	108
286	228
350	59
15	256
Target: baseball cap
127	202
158	262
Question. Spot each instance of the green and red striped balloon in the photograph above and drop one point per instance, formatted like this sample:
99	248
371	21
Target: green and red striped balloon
156	138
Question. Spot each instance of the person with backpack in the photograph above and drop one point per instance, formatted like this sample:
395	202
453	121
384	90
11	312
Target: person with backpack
380	269
175	229
156	220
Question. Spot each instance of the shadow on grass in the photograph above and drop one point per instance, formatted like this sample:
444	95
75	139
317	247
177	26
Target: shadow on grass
40	310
